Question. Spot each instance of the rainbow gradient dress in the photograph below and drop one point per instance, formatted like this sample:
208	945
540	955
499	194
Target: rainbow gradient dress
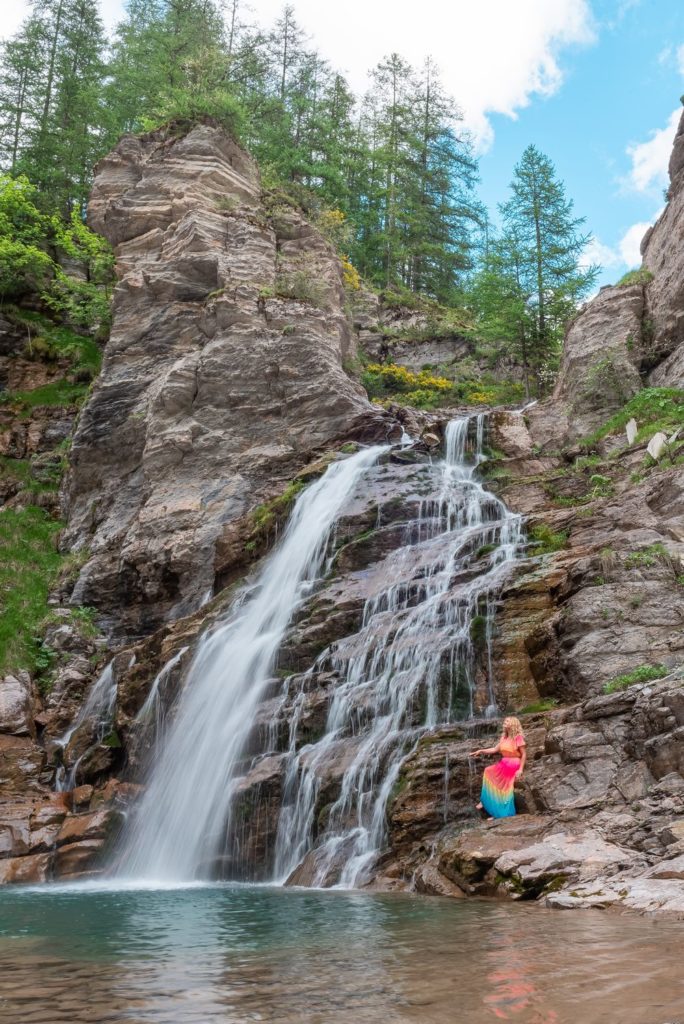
498	780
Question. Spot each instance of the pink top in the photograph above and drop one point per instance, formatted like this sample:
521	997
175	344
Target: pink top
510	747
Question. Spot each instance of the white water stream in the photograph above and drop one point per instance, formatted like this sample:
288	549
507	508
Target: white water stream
412	666
421	653
185	813
99	706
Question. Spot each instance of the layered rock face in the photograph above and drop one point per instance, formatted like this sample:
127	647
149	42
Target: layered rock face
222	375
663	253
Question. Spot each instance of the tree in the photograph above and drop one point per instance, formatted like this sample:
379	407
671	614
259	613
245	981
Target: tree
541	240
50	99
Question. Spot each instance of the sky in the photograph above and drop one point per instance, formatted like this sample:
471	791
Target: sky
594	84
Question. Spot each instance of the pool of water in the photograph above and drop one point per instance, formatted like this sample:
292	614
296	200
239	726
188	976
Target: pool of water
237	954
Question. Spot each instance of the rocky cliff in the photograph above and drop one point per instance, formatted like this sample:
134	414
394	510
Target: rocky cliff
224	391
222	375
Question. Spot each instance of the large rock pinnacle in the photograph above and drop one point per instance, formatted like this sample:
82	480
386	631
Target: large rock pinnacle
223	372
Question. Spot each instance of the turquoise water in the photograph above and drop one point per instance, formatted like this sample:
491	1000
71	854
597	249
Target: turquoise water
239	954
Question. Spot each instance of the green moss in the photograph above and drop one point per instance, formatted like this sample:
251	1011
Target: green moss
486	549
478	630
642	674
112	740
545	541
265	517
29	565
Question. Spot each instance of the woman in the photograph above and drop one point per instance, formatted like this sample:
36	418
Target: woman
499	779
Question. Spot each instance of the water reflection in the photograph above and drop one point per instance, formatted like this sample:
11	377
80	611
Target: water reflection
230	955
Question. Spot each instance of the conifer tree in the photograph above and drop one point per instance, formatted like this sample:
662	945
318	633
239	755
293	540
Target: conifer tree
542	238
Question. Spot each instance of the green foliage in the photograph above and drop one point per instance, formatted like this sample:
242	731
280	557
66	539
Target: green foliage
537	707
653	409
49	342
642	674
31	244
640	276
24	263
532	277
267	516
389	382
302	286
645	558
29	564
59	392
545	541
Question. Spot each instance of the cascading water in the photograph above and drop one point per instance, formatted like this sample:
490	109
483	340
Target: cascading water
185	813
410	667
98	706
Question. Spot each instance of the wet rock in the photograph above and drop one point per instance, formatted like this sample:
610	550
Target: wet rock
79	828
77	860
26	870
429	879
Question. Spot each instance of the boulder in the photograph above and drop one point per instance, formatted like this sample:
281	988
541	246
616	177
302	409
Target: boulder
16	705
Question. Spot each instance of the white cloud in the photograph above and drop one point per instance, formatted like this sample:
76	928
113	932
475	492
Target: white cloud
650	159
496	56
597	252
628	246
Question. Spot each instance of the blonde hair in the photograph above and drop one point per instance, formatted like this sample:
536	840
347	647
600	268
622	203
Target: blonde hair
514	726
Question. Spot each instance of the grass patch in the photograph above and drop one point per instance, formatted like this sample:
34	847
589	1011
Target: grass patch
29	565
653	409
538	706
57	393
647	557
642	674
640	276
49	342
545	541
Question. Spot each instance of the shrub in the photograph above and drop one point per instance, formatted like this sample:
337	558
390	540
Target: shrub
302	286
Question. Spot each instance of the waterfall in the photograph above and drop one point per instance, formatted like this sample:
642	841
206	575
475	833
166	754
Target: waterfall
99	705
185	813
412	666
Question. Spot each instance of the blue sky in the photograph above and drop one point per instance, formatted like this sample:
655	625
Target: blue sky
595	84
618	92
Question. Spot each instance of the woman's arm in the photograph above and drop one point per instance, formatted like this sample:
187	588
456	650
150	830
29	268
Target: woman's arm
486	750
522	747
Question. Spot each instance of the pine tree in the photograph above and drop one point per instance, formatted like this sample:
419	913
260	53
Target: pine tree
542	237
52	75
